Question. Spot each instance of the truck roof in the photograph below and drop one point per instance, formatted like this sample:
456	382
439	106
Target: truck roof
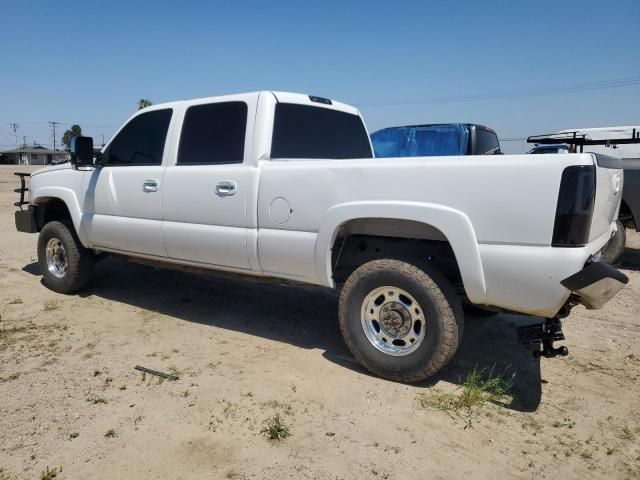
483	127
283	97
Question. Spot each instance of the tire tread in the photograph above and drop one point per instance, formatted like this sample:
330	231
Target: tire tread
446	302
79	259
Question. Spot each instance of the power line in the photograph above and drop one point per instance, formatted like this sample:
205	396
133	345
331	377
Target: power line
69	124
575	88
5	133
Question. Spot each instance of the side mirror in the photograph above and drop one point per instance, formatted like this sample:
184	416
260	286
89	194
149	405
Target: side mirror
82	151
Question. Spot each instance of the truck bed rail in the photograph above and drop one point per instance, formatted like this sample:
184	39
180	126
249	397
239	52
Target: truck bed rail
576	139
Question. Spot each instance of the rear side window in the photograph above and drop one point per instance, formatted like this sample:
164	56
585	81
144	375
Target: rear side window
486	142
301	131
141	141
213	134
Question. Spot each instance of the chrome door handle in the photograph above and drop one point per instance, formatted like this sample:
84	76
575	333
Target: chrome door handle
150	185
224	189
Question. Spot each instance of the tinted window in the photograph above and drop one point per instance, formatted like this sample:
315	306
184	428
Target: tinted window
213	134
486	142
301	131
141	141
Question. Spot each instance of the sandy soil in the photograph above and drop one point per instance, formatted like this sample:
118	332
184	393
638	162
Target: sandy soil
70	398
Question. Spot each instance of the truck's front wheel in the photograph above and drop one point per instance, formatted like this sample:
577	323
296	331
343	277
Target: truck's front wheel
401	322
65	264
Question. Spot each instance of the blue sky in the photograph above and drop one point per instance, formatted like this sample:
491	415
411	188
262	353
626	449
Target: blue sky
89	62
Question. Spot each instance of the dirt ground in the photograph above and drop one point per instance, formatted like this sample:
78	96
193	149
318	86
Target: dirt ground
71	401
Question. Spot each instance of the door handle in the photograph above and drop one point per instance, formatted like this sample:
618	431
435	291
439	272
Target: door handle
150	185
224	189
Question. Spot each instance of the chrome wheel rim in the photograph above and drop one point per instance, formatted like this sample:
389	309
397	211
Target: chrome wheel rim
56	258
393	321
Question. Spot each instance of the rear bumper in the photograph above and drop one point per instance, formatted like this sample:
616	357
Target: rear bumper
26	221
527	279
595	284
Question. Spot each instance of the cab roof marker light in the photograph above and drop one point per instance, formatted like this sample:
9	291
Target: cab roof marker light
326	101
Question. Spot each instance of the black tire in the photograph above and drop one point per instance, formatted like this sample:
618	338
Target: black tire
613	250
79	260
443	317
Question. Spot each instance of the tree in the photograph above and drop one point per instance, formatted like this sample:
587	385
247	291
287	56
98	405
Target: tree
143	103
74	131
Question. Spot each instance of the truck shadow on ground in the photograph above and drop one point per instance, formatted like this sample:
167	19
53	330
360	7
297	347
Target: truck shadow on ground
305	317
630	259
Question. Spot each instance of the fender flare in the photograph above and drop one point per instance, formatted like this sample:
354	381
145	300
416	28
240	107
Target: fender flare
68	196
454	225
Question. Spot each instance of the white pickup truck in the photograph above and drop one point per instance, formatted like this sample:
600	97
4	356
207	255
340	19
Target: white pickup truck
285	185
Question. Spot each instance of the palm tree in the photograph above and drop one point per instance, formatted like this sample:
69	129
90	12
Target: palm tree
143	103
74	131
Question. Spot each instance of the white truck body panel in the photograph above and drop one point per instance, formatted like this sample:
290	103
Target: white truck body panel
497	212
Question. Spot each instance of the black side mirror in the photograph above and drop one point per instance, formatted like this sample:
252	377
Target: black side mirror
81	151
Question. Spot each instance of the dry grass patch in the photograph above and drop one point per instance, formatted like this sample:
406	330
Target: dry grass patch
51	305
96	399
532	424
47	474
8	335
477	390
626	433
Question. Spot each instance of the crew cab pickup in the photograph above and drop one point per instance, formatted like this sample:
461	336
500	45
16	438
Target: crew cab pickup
285	185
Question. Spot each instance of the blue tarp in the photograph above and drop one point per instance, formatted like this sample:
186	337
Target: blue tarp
421	141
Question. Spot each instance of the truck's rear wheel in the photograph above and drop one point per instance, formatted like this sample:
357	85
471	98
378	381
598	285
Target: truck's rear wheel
65	264
401	322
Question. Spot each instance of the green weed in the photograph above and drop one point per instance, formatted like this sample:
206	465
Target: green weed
477	390
275	429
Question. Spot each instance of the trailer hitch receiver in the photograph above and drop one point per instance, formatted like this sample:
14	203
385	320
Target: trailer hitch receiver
542	336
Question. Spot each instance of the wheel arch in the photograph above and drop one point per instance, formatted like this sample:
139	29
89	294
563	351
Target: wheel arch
57	203
428	221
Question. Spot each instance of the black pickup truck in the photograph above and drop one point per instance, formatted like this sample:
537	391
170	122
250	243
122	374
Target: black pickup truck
438	139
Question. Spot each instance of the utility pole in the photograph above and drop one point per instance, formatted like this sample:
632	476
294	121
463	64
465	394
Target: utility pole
103	139
53	129
15	127
24	141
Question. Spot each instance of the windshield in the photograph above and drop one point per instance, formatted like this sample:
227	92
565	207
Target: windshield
421	141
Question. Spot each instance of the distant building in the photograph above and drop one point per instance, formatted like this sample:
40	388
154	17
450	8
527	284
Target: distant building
36	155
